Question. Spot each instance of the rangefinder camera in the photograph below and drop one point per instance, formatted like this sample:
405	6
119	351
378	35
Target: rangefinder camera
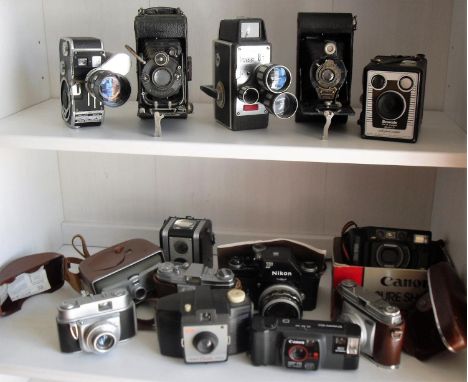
390	247
278	284
382	325
96	323
188	240
304	344
393	98
204	325
90	79
174	277
129	265
247	86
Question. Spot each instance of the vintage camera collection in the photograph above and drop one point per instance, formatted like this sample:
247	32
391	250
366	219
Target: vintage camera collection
247	86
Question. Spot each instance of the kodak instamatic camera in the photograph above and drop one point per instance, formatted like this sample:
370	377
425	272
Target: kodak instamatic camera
181	277
89	79
304	344
393	98
96	323
129	265
247	86
187	240
382	325
204	325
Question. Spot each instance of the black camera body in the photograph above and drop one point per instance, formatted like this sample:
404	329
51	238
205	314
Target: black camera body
390	247
304	344
188	240
204	325
393	98
247	87
164	67
277	283
324	65
89	79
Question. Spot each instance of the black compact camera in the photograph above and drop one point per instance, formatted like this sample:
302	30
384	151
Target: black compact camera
324	66
277	283
393	98
89	79
304	344
163	65
204	325
187	240
96	323
247	86
390	247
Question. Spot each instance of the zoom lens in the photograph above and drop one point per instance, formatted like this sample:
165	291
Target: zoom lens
280	300
274	78
283	105
110	88
205	342
390	105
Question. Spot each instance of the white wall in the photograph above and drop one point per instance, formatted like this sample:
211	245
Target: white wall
385	27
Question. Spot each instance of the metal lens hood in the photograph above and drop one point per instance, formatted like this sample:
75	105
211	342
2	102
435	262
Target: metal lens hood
283	105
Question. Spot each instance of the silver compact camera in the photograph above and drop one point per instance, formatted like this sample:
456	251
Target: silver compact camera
96	323
190	276
382	325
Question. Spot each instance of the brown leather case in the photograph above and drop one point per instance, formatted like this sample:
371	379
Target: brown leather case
438	320
53	265
388	343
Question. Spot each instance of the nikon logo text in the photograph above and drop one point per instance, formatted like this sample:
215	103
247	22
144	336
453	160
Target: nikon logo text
408	283
281	273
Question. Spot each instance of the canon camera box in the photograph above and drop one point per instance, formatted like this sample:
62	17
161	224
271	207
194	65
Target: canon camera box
398	286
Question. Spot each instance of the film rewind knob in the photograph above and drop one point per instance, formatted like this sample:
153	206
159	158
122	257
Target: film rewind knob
236	296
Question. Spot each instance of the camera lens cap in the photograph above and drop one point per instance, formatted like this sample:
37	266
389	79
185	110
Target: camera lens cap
236	296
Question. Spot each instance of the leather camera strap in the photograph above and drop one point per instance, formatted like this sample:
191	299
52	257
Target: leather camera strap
71	277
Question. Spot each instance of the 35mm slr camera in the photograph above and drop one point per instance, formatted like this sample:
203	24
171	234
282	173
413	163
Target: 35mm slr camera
163	64
389	247
304	344
247	86
187	240
278	284
382	325
89	79
204	325
96	323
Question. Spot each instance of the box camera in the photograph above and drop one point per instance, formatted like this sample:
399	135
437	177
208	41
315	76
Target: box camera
204	325
324	66
304	344
390	247
96	323
393	98
247	86
176	277
382	325
163	65
129	265
89	80
187	240
278	284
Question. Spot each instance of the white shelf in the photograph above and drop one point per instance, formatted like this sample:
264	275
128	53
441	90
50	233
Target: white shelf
30	349
441	144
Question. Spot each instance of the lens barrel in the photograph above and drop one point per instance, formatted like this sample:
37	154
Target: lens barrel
110	88
248	95
273	78
280	300
283	105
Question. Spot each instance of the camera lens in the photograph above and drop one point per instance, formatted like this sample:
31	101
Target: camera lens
248	95
137	291
283	105
378	81
327	75
390	105
205	342
162	77
181	247
280	300
392	256
298	353
274	78
104	342
111	89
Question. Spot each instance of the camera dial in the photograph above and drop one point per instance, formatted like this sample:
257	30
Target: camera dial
235	262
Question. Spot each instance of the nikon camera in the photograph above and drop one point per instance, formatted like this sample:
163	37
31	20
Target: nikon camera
304	344
89	79
163	65
247	86
204	325
96	323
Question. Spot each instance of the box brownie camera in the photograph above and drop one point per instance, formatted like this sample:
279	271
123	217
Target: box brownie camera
393	98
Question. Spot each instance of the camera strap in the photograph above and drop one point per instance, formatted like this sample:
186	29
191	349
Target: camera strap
344	249
73	278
